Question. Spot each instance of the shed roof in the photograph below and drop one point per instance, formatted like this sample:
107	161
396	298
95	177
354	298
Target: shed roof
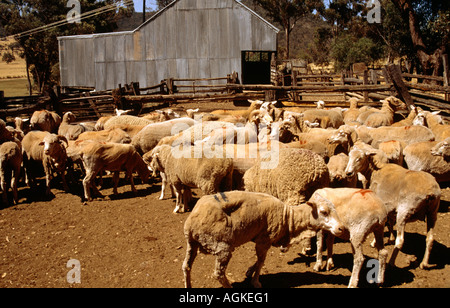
156	15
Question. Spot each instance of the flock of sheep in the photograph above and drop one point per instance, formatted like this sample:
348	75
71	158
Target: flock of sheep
269	175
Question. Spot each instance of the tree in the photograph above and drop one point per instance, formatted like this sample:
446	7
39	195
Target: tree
427	22
163	3
40	49
288	12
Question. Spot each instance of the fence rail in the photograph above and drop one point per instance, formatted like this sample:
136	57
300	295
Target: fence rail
368	86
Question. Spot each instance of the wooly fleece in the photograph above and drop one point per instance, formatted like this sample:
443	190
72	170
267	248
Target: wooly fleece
298	174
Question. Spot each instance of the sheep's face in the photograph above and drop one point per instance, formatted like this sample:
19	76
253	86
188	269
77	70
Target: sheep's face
357	161
325	215
340	137
442	149
53	145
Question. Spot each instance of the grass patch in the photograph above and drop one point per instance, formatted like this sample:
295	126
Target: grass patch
14	87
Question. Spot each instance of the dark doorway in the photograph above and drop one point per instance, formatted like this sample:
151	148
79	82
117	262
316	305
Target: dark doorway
256	67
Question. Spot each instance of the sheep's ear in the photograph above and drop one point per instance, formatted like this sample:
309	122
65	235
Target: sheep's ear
436	112
314	209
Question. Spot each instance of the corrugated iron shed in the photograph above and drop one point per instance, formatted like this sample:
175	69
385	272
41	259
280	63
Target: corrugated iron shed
186	39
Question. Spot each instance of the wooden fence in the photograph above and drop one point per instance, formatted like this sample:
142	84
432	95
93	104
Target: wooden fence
369	86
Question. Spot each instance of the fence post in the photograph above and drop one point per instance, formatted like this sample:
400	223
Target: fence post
446	75
2	98
395	74
366	82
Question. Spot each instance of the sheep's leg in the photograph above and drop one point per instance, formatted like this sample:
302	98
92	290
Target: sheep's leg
398	241
382	253
318	265
358	260
178	194
191	253
330	242
63	178
4	186
163	185
15	179
133	188
88	183
431	221
261	253
115	180
187	196
222	259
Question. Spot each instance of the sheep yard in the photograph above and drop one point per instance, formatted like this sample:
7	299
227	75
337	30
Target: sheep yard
136	241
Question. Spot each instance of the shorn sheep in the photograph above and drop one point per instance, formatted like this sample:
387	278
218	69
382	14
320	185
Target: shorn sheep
361	212
409	195
10	166
98	156
46	149
219	223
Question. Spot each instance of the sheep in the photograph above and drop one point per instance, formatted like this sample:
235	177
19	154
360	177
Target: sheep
405	134
242	113
433	121
219	223
10	166
44	120
336	167
361	212
383	117
22	125
350	115
100	124
330	118
125	120
393	150
412	195
442	149
146	139
408	121
291	175
419	157
97	156
211	175
71	131
47	149
115	135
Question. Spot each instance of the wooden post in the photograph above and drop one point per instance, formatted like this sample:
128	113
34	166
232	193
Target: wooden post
2	99
395	75
365	82
446	75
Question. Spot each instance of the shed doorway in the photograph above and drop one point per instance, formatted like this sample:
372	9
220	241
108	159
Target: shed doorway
256	66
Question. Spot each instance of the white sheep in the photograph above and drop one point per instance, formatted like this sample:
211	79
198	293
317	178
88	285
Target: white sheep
69	130
44	120
211	175
147	138
41	147
442	149
383	117
10	166
419	157
412	195
124	120
361	212
219	223
435	122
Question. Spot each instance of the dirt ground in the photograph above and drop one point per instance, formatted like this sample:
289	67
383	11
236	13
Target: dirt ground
136	241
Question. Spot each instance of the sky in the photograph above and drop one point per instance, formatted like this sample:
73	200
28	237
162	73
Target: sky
149	3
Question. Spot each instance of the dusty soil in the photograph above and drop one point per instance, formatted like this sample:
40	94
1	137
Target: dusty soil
136	241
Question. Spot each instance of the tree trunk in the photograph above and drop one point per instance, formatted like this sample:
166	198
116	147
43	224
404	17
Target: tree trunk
30	90
430	61
286	32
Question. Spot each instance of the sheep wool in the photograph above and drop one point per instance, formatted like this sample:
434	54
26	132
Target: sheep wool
298	174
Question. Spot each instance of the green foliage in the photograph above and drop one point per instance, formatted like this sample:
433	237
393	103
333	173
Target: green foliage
347	50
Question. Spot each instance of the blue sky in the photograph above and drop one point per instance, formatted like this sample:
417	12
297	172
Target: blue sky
149	3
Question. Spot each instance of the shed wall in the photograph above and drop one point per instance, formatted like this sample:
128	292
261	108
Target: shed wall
189	39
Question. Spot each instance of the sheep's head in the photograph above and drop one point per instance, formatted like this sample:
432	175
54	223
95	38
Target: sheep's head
394	103
54	146
442	149
152	161
323	211
358	159
69	117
